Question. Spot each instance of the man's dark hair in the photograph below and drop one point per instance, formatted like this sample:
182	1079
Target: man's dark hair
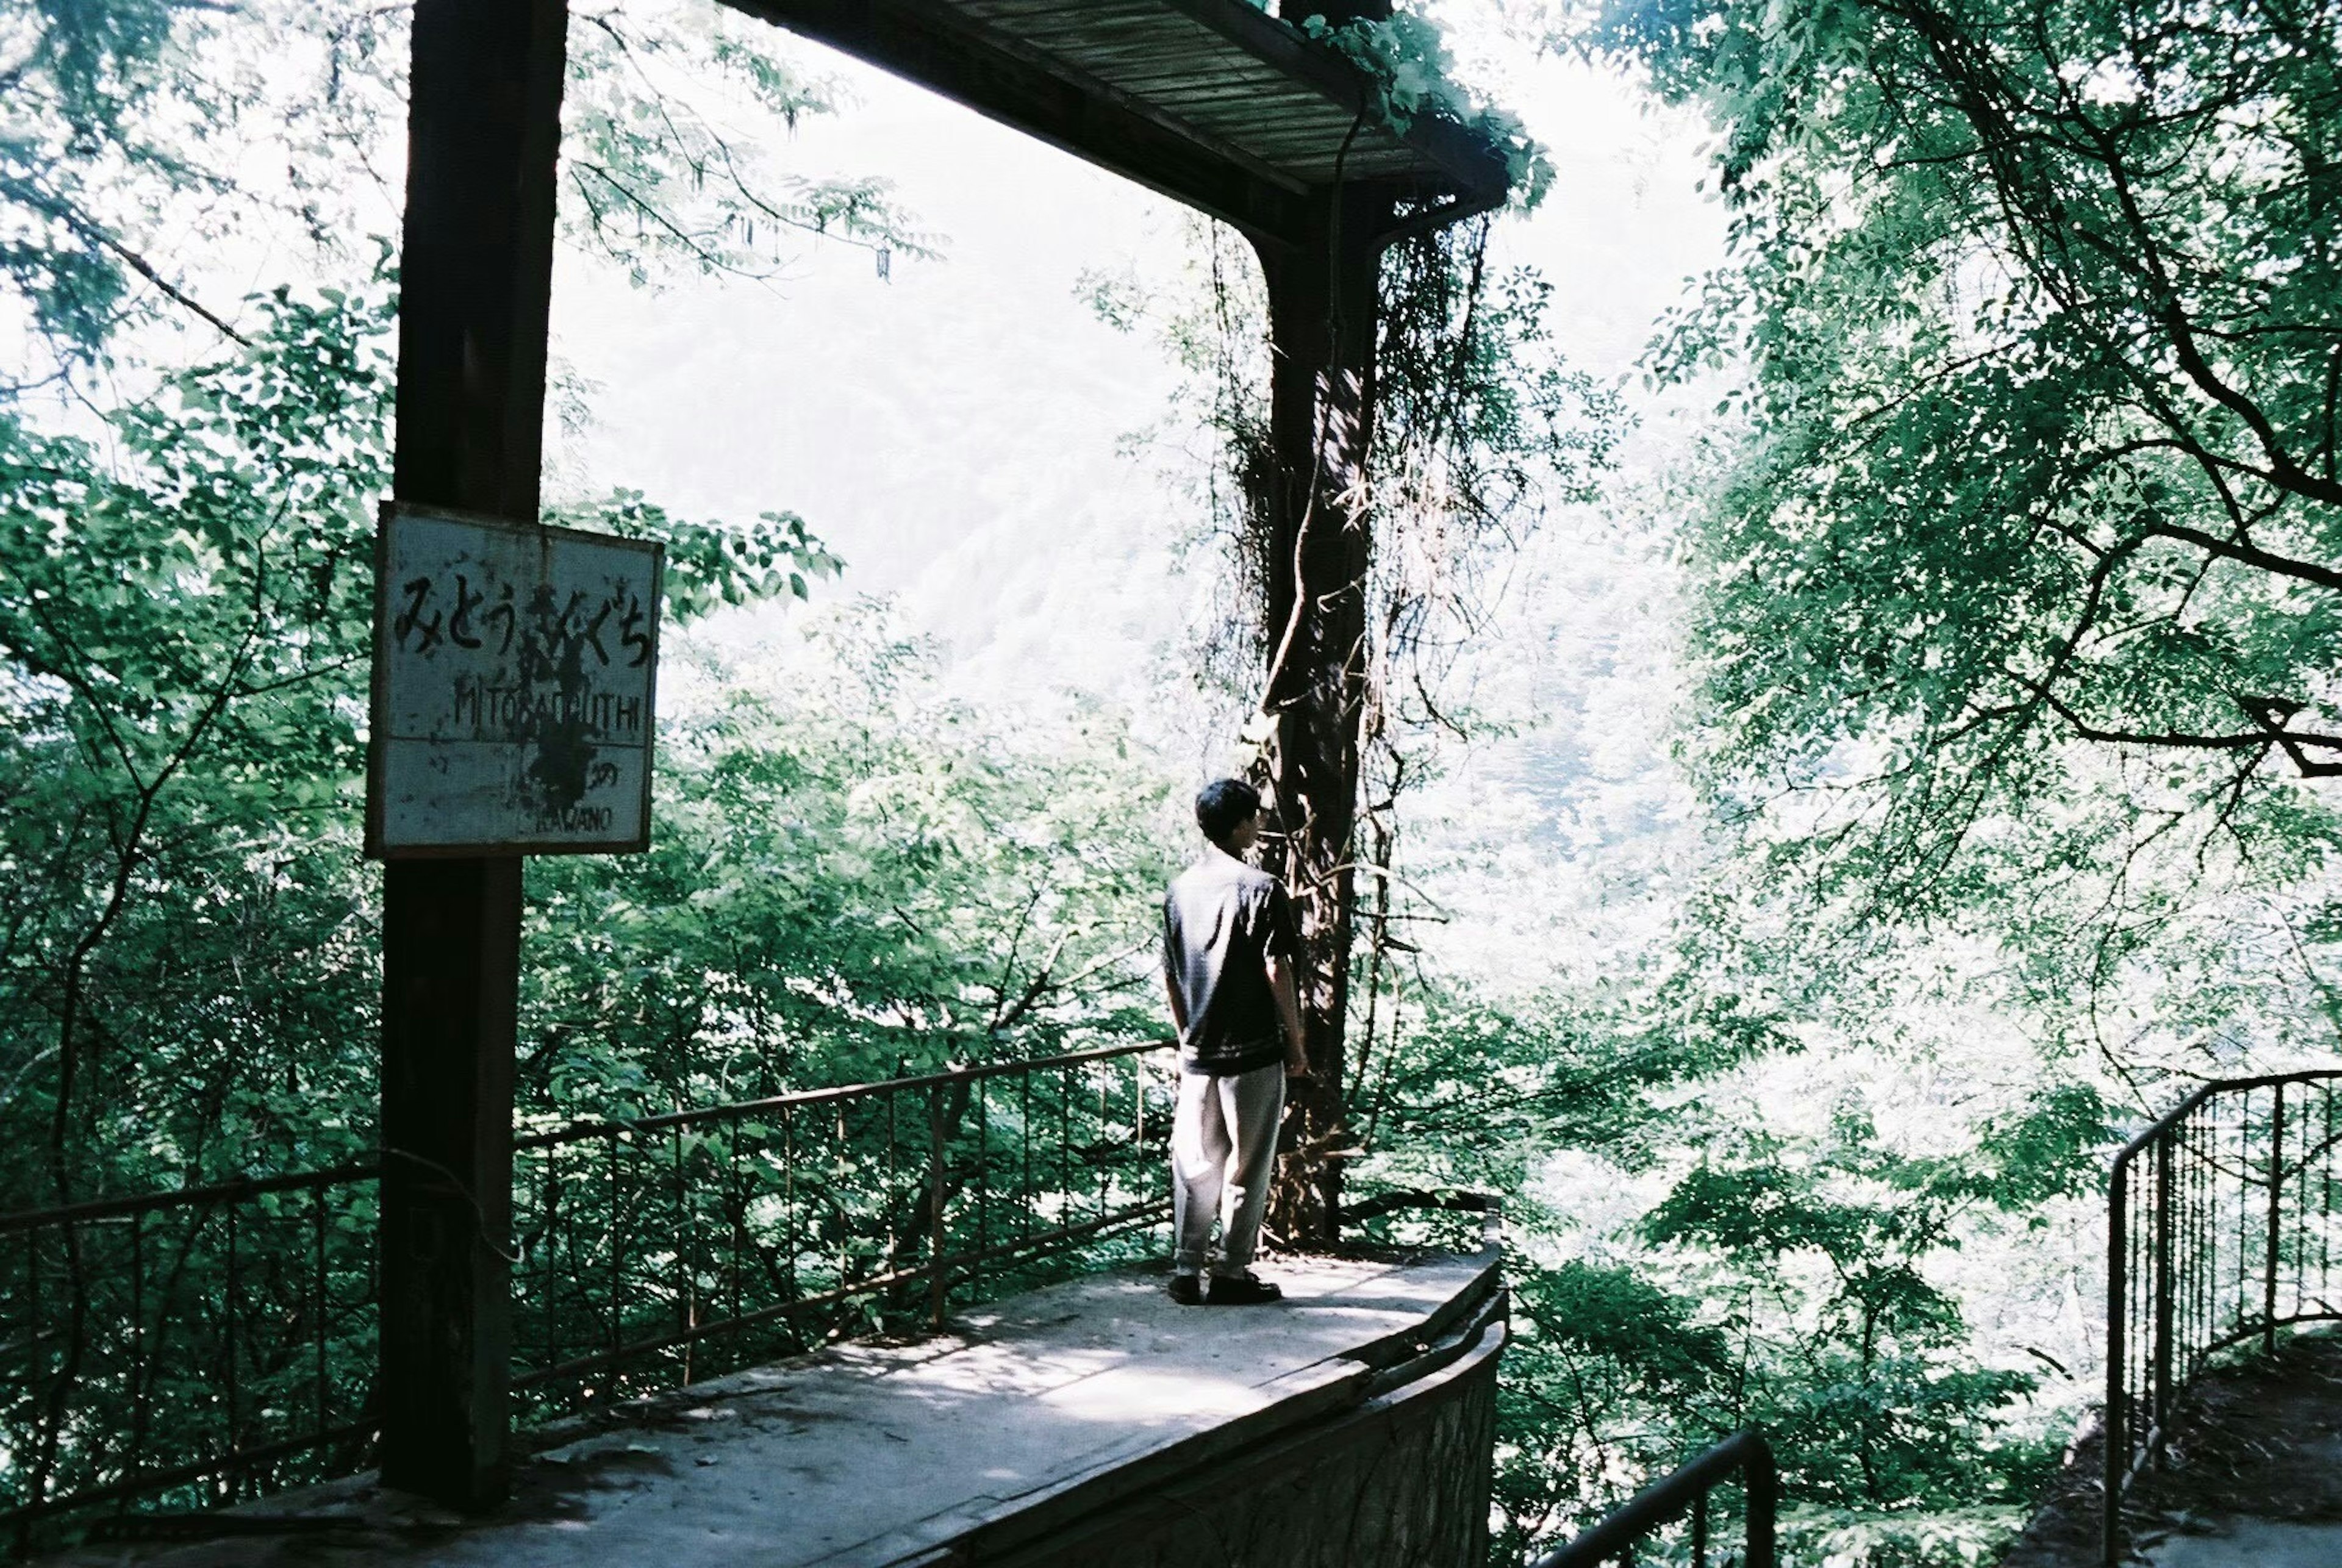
1223	804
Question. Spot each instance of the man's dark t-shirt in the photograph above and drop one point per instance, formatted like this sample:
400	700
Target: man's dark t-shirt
1223	921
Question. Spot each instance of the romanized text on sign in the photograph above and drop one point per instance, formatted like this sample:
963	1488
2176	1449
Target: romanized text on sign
513	688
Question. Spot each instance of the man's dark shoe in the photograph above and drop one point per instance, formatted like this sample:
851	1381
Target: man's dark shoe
1240	1290
1186	1290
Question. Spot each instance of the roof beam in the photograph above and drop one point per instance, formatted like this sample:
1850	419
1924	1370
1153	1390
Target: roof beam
937	48
1478	169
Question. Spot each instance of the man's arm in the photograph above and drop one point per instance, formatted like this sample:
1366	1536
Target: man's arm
1179	1004
1288	1012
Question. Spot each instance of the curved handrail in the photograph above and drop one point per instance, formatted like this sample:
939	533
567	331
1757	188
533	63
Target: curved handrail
1686	1491
667	1121
2233	1239
1437	1200
2179	1113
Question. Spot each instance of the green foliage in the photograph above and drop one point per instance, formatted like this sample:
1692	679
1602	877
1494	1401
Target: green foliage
75	79
1789	1286
185	638
659	182
1598	1352
2029	492
852	878
137	136
1680	1272
1471	1091
184	634
1409	75
711	565
2010	553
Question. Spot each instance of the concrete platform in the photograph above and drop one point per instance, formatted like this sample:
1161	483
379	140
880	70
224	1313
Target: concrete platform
2252	1544
1033	1419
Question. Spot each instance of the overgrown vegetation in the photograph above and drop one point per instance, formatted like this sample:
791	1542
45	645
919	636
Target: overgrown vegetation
2015	581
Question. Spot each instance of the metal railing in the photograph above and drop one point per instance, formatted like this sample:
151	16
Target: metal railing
2221	1228
243	1309
200	1347
1686	1492
668	1249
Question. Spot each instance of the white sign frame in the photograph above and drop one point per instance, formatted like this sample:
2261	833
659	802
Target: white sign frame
440	668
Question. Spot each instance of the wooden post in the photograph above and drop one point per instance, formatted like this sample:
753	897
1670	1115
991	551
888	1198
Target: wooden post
476	276
2114	1424
1322	300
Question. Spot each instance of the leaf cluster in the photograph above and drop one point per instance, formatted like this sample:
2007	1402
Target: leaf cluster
137	137
852	879
2027	471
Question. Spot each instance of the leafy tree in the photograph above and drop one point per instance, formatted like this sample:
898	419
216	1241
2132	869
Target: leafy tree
855	877
139	137
81	83
1598	1352
1858	1364
1793	1281
2030	492
183	642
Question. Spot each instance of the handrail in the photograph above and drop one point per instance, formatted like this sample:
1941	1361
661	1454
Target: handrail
2172	1117
235	1191
2221	1228
576	1132
241	1187
1685	1491
1437	1200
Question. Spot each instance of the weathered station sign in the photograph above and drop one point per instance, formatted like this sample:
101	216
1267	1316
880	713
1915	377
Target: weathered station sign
514	677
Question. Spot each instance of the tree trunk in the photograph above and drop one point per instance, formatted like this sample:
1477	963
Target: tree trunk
1322	322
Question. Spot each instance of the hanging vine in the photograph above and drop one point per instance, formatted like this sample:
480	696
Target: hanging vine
1482	430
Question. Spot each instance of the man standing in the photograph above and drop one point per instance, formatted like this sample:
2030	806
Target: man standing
1227	964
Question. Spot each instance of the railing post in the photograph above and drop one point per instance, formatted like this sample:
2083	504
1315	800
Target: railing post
2117	1421
937	1288
2276	1207
2162	1270
1763	1489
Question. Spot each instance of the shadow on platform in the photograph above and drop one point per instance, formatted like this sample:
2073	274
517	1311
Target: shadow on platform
1093	1422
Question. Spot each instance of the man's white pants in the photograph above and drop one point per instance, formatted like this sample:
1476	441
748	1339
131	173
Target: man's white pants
1223	1155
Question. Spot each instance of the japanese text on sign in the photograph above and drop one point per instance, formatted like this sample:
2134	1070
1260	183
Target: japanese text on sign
513	689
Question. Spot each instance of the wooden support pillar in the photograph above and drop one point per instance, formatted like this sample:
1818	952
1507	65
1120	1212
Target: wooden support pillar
1322	307
475	279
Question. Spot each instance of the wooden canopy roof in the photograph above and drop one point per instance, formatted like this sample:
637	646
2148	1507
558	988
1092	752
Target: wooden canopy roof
1210	102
